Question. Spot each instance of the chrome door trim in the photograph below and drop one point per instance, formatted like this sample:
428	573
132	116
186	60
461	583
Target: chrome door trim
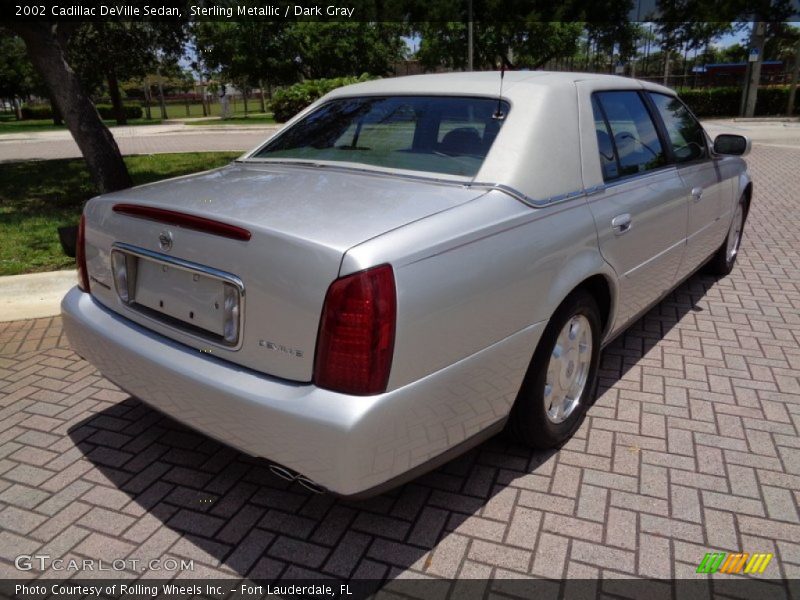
539	202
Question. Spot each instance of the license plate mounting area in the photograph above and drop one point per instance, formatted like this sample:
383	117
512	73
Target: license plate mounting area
194	299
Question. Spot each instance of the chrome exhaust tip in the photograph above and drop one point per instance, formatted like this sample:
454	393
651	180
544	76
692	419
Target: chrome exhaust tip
283	472
312	486
293	476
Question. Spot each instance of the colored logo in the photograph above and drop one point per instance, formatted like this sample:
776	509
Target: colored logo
741	562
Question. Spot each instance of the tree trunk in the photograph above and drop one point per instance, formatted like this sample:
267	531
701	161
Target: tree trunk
261	93
95	141
751	90
146	90
793	84
244	99
17	108
57	118
161	100
203	100
116	98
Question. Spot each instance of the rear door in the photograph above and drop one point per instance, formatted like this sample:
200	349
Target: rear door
701	178
641	213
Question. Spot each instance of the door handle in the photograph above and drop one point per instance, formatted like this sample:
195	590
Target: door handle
621	224
697	194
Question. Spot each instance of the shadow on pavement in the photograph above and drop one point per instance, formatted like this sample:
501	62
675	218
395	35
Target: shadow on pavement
227	511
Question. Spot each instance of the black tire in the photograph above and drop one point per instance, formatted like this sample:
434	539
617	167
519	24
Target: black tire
722	262
529	422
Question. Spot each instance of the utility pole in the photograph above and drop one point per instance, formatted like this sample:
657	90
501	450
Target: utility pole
636	37
470	57
793	85
754	70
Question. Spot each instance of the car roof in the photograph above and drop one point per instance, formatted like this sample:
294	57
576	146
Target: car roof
538	152
487	83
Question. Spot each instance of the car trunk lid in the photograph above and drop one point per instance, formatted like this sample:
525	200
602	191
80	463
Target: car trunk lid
300	222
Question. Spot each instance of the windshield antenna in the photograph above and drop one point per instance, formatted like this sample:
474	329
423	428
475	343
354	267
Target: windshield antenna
499	115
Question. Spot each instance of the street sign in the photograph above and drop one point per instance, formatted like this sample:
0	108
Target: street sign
753	56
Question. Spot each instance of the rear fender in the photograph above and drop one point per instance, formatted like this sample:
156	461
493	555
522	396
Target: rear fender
579	268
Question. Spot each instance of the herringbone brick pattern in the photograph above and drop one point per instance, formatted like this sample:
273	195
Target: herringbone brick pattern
692	446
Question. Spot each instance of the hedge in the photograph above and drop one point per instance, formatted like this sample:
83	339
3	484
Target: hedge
132	111
289	101
724	102
43	111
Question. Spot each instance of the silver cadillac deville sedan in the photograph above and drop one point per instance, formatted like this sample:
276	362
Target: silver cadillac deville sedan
406	268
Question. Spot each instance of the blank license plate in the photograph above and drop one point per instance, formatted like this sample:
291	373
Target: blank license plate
193	298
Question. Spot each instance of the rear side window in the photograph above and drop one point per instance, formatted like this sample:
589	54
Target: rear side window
634	139
608	157
685	134
440	134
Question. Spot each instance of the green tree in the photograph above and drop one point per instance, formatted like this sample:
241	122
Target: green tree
339	49
17	78
109	52
46	45
781	43
249	53
533	32
527	45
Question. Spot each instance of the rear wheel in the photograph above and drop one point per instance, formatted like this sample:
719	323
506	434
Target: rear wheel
723	261
560	381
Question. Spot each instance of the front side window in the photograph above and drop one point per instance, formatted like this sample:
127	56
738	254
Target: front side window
634	138
685	134
449	135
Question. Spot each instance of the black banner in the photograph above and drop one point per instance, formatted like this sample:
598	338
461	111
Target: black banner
587	11
423	589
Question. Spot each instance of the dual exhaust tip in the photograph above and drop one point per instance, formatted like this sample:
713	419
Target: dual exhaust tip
289	475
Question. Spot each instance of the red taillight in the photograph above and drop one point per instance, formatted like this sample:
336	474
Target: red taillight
356	335
80	256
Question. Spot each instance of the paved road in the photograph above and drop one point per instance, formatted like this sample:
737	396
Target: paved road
156	139
693	445
142	139
765	132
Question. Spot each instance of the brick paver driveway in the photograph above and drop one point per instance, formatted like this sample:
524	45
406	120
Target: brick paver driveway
692	446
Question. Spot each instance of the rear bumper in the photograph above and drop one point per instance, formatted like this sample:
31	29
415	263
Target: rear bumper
347	444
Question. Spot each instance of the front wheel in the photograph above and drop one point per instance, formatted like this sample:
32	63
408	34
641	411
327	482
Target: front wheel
560	381
723	261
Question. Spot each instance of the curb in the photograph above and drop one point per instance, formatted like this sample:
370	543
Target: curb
34	295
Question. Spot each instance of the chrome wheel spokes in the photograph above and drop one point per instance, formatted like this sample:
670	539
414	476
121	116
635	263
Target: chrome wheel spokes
568	369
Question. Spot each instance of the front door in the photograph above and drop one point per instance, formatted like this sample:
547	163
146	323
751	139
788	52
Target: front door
701	178
642	212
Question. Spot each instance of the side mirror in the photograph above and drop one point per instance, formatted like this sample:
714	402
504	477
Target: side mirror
734	145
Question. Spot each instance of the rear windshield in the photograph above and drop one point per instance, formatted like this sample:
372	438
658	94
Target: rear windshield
420	133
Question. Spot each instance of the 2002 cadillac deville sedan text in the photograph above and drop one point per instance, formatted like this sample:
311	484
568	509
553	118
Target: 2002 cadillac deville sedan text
406	267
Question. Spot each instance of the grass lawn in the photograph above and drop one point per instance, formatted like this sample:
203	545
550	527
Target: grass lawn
36	197
258	119
9	123
178	111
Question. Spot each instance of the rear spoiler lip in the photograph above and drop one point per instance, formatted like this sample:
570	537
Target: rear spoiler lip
186	220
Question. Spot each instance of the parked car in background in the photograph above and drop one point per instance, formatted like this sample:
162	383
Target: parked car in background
406	268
